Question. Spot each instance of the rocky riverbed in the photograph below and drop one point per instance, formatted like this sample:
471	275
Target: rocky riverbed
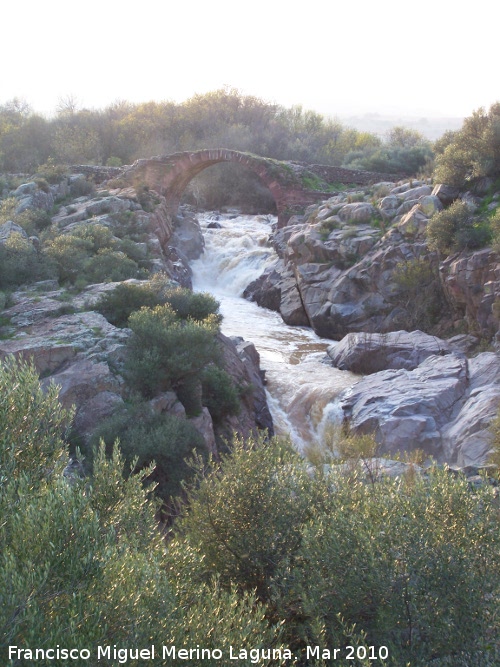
344	269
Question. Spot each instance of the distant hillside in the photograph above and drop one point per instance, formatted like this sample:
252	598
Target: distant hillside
377	123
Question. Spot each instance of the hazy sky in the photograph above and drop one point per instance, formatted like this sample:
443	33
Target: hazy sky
416	58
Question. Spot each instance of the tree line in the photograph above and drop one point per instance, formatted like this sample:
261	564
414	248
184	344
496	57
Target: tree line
124	132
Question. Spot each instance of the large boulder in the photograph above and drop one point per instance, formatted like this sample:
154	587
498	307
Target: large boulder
414	193
446	193
36	199
443	407
471	281
242	362
188	238
357	212
406	409
388	206
366	353
276	289
414	223
467	438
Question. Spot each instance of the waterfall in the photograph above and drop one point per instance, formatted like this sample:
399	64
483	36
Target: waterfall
301	387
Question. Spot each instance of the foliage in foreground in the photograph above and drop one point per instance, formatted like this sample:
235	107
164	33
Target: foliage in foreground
168	352
82	562
269	553
412	563
148	438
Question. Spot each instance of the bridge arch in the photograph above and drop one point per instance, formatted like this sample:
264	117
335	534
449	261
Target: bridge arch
169	175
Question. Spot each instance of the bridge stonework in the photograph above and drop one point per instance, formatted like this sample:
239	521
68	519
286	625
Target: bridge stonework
169	175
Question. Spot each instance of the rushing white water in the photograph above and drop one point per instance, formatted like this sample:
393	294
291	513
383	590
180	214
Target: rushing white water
301	388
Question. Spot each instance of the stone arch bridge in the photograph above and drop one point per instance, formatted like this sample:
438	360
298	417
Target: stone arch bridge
293	186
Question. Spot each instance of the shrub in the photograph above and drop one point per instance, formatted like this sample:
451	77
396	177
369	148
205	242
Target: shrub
455	229
420	293
93	569
20	263
99	236
82	187
219	394
33	221
494	457
186	303
245	519
473	152
117	305
7	208
89	253
495	230
51	172
110	265
134	251
166	353
69	254
146	437
33	422
411	563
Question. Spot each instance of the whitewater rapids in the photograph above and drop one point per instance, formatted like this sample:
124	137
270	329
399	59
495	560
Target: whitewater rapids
302	389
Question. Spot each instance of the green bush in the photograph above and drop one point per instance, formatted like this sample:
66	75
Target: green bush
411	563
219	394
495	230
455	228
117	305
245	519
82	187
90	253
494	457
110	265
7	208
146	437
51	172
99	236
82	561
188	304
420	293
69	254
33	221
21	263
165	352
473	152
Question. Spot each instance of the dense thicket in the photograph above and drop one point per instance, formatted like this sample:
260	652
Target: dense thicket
82	562
266	555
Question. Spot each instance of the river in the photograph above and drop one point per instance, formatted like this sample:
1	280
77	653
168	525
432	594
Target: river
301	387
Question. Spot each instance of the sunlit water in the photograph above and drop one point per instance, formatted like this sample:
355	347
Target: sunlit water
301	387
